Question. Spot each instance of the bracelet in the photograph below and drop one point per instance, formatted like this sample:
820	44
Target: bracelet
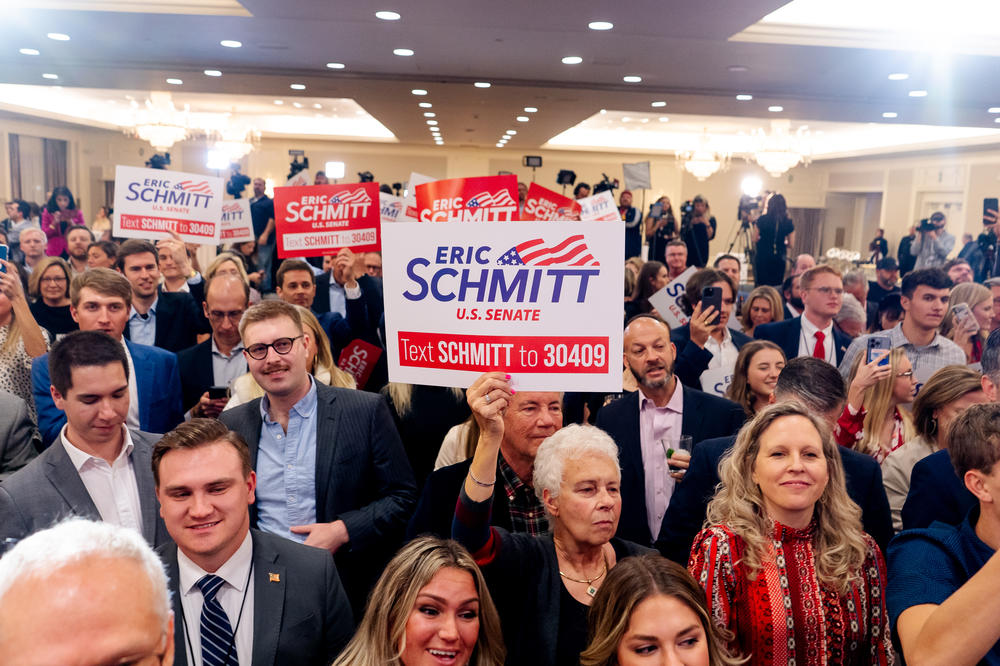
480	483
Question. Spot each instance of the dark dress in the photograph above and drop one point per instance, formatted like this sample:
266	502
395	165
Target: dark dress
632	219
771	250
662	236
56	320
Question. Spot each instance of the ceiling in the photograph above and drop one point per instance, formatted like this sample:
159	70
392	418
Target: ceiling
684	51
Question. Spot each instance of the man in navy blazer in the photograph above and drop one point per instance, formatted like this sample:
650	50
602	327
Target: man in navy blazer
936	493
99	301
812	334
638	421
817	385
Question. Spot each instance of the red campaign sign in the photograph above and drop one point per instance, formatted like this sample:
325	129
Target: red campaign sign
315	220
512	353
542	203
485	199
145	223
359	359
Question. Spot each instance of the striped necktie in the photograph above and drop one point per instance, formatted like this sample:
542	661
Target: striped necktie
218	646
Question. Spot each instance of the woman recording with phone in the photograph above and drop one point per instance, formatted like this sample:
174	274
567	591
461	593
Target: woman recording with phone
969	317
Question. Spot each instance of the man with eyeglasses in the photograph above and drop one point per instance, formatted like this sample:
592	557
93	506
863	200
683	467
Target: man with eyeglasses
331	469
218	360
812	333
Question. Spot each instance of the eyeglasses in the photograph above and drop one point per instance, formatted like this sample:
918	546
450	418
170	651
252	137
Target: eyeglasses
53	280
828	291
282	346
233	315
908	373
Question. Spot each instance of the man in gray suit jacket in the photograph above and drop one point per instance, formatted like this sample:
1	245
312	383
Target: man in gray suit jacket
97	468
239	595
331	469
18	436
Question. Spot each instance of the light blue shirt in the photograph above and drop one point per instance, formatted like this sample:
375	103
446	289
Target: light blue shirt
338	298
143	330
286	468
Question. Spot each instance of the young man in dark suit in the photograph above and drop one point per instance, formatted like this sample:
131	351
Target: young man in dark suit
662	409
331	469
818	386
813	333
299	613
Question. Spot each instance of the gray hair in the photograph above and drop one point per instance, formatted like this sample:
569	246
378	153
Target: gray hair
75	540
570	443
853	278
33	230
851	310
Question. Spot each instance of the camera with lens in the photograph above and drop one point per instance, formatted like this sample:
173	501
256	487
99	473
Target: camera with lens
237	182
366	177
296	166
926	225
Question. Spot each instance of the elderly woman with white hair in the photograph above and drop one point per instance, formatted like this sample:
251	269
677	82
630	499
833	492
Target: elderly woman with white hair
543	586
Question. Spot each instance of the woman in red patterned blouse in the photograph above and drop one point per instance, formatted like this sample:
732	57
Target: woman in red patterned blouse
785	564
872	422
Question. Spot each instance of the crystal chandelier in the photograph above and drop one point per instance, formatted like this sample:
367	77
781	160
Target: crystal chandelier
160	123
236	142
703	161
781	150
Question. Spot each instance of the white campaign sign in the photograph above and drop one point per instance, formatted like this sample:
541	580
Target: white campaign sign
599	208
390	207
410	201
667	301
149	203
237	227
539	300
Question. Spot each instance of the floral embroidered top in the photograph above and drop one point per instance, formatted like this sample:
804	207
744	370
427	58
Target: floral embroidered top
850	429
785	615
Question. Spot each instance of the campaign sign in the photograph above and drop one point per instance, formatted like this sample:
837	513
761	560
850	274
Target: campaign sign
320	219
390	207
668	301
359	359
600	207
486	199
301	179
237	227
410	202
149	203
543	204
540	300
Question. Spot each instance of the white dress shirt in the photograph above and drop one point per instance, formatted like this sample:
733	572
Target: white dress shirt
112	488
807	341
132	418
236	573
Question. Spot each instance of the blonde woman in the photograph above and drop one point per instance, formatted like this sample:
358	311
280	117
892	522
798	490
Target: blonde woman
229	263
762	306
971	337
430	606
784	562
320	363
21	338
872	421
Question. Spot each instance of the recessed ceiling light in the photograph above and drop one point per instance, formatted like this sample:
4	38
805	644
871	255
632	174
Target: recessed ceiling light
499	145
744	97
336	65
890	114
403	52
603	111
572	60
432	122
278	102
996	120
530	109
231	43
429	114
511	132
993	109
918	93
297	105
600	25
899	76
425	105
657	105
664	119
317	106
418	91
632	79
298	86
50	76
387	16
775	109
58	36
522	119
482	84
212	72
28	51
174	82
738	68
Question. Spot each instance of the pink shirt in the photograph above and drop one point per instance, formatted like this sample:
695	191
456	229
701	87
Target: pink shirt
54	231
655	424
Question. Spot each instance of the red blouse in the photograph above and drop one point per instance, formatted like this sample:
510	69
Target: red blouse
785	615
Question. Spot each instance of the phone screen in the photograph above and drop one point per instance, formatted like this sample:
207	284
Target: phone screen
3	256
990	204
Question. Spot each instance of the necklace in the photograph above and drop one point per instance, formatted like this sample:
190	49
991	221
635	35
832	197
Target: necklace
589	582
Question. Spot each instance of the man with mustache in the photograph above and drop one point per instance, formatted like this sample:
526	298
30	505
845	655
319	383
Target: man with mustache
662	409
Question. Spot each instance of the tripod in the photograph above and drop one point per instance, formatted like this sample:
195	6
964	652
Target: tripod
742	239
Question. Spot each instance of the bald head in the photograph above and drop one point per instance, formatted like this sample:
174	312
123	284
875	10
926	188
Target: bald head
226	299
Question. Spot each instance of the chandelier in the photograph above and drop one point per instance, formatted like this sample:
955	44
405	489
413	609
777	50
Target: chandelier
236	142
781	150
703	161
159	123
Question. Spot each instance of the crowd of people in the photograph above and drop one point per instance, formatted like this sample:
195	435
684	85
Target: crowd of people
801	471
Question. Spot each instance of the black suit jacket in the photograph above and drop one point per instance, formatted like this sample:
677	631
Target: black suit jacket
178	321
685	515
197	373
362	478
371	293
301	614
436	507
692	360
705	416
787	334
936	493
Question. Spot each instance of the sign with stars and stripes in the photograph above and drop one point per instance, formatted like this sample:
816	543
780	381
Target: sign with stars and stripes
315	220
540	300
150	203
486	199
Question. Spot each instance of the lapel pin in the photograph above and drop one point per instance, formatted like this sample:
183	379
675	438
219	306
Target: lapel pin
273	578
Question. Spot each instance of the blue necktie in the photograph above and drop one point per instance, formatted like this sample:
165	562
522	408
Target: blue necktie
216	633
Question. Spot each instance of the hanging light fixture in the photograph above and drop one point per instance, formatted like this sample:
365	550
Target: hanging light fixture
237	141
781	150
160	123
703	161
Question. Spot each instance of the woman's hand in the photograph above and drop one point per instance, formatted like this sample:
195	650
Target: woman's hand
488	397
869	374
10	282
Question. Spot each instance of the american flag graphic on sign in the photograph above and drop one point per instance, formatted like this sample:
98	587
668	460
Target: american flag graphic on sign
571	252
357	196
501	198
196	187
